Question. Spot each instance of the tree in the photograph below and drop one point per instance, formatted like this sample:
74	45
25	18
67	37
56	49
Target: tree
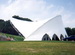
6	27
2	24
68	30
73	31
9	29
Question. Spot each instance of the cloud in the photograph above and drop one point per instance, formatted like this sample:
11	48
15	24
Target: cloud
29	8
67	17
33	9
9	1
26	8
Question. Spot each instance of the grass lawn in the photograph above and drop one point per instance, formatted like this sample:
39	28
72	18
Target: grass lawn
16	38
37	48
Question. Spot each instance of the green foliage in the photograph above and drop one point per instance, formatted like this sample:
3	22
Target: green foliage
2	24
37	48
21	18
70	31
5	27
9	29
73	31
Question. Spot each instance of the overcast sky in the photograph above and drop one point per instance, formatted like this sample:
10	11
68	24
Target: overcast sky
39	10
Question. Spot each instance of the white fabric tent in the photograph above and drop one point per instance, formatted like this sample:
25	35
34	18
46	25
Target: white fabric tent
34	31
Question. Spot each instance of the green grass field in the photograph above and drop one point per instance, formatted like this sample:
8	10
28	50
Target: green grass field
37	48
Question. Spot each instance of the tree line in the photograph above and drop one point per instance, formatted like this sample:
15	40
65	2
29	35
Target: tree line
6	27
70	31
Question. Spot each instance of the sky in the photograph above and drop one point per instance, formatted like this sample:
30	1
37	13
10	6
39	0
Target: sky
37	10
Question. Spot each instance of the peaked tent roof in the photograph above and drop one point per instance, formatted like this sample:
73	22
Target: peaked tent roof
34	31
